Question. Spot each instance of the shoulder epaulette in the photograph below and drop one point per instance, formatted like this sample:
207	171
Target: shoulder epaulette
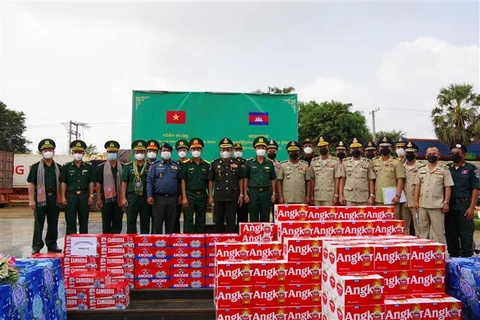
250	159
284	161
207	162
303	161
101	164
127	163
186	161
314	158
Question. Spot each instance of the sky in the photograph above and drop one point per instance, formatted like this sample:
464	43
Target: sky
81	61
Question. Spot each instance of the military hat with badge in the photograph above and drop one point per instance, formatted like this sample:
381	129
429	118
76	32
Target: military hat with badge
260	141
401	142
152	145
272	144
78	145
46	144
370	149
181	144
112	146
340	146
293	150
411	147
226	143
384	141
196	143
139	145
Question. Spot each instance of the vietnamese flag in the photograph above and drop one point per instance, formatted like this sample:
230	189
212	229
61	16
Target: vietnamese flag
176	117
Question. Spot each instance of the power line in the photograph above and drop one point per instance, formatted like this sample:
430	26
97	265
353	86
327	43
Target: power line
72	129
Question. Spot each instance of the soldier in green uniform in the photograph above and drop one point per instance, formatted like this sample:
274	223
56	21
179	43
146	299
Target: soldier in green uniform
182	150
77	179
152	150
272	150
225	177
242	209
259	182
134	184
194	176
44	197
292	177
308	153
370	150
109	189
459	226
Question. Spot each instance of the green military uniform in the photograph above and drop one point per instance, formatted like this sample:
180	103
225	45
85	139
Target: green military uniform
152	146
196	180
242	210
459	230
226	175
48	209
135	176
260	176
77	180
293	176
180	144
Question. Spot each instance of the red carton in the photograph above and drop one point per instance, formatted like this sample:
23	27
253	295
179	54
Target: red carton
303	249
152	240
119	272
106	303
398	309
366	289
187	252
272	312
151	273
152	283
78	304
231	314
428	256
187	262
209	282
446	307
344	258
117	240
235	273
269	272
234	297
79	293
152	252
126	263
427	281
270	296
304	312
388	227
258	232
158	263
77	261
88	279
187	272
187	240
374	312
212	238
125	252
187	282
397	283
304	294
118	291
248	251
392	257
304	272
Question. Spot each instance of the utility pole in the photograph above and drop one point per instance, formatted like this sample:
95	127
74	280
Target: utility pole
74	133
374	133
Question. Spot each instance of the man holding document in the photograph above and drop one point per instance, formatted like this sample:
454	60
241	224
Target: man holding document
390	176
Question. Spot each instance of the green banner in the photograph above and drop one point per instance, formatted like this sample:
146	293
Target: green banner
171	116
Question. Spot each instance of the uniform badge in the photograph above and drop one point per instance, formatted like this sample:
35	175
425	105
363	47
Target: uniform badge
174	167
465	172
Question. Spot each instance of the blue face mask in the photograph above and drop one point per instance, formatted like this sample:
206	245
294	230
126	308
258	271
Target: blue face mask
111	156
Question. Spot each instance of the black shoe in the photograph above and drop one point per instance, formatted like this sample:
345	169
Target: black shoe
55	250
35	251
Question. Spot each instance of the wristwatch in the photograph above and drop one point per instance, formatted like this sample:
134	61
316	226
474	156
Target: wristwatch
446	202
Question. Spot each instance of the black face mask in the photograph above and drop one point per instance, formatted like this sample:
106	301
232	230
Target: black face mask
410	156
432	158
456	157
356	153
341	155
323	151
384	151
370	155
271	156
294	155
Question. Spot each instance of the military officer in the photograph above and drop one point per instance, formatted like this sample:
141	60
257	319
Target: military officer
411	165
389	173
357	187
77	179
225	177
400	144
325	173
341	152
292	177
44	197
308	154
194	176
134	184
259	184
432	195
108	187
242	210
370	150
163	189
152	150
272	150
459	224
182	150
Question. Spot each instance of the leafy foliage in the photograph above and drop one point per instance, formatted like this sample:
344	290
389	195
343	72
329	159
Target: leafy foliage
12	129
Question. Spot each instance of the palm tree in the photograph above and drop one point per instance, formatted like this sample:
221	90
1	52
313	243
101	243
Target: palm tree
456	117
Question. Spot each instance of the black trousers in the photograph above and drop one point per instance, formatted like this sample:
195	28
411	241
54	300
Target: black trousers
77	206
228	210
112	216
164	211
50	212
137	205
459	231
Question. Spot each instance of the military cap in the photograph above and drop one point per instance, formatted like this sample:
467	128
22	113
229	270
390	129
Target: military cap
306	141
293	146
166	145
78	145
322	141
196	143
112	145
384	141
152	145
356	143
272	144
401	142
340	146
225	143
181	144
260	141
46	144
237	146
411	147
370	146
139	145
460	146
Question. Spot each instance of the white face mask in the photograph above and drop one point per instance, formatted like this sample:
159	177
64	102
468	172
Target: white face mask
307	150
139	156
111	156
196	154
151	155
182	154
261	152
400	152
77	156
238	154
166	155
225	154
47	155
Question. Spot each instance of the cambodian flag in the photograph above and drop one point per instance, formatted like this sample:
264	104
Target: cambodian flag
258	118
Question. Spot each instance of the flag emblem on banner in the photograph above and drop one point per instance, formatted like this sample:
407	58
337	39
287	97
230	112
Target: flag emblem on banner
258	118
176	117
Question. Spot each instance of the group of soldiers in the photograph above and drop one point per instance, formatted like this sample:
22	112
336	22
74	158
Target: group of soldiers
435	201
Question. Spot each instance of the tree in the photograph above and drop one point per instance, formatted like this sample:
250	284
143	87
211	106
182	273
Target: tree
456	118
12	129
91	149
394	134
276	90
331	119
